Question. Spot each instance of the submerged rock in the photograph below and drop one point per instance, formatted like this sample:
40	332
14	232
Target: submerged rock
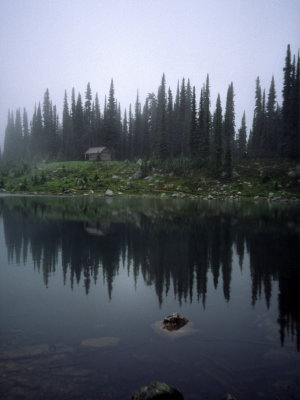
100	341
25	352
174	322
157	391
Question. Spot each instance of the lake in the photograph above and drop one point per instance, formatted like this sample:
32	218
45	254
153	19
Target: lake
86	282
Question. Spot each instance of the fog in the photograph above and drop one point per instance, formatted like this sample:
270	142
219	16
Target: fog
60	44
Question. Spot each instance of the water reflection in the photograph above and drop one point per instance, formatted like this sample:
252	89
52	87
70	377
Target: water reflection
173	245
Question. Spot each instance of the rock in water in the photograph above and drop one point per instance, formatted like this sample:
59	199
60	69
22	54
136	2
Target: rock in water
174	322
157	391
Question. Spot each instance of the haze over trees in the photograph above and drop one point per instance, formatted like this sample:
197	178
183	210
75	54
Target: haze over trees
166	126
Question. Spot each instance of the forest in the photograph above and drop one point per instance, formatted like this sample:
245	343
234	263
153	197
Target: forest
166	126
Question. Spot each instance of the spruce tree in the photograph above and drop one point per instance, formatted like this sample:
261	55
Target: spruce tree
229	130
217	148
272	121
87	134
111	136
137	128
242	139
26	135
257	126
161	139
170	123
194	137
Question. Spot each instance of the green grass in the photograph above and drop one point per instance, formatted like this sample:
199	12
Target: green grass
175	178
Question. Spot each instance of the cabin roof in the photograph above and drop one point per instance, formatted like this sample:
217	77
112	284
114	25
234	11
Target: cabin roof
97	150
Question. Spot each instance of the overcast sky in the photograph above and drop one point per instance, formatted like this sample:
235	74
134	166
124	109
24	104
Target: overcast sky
60	44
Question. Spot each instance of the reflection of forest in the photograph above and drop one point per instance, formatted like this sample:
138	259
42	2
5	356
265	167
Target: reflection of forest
169	246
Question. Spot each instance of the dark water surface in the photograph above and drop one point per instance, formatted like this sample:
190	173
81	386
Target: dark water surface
83	283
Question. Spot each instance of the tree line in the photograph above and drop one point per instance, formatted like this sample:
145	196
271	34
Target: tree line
165	126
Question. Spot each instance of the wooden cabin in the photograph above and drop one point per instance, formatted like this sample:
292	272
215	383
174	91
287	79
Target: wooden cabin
97	154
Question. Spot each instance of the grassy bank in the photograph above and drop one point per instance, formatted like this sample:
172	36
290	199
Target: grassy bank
269	180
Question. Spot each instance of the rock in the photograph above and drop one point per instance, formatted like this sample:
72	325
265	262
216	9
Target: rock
157	391
98	342
137	175
25	352
292	174
174	322
139	162
109	192
148	178
271	195
209	197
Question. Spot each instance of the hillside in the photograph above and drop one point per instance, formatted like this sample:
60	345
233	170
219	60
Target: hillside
267	180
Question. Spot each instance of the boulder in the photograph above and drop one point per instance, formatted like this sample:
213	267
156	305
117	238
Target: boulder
157	391
174	322
109	192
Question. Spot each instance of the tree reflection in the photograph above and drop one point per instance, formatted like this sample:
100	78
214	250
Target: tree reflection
172	246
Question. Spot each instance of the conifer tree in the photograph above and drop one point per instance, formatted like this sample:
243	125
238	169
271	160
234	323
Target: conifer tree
137	128
194	137
242	139
78	126
68	150
26	135
98	136
217	147
205	121
229	130
87	134
170	122
161	139
9	137
272	121
111	137
257	126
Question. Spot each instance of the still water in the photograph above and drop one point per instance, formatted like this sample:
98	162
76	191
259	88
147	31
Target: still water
84	282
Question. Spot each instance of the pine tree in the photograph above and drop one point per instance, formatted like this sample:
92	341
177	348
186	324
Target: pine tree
18	137
217	147
124	142
87	134
111	137
26	135
194	137
9	139
130	135
98	136
242	139
68	150
272	121
161	139
257	126
137	128
37	134
205	121
290	109
170	122
79	145
229	130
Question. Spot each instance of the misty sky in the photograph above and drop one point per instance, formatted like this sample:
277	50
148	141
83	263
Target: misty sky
60	44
